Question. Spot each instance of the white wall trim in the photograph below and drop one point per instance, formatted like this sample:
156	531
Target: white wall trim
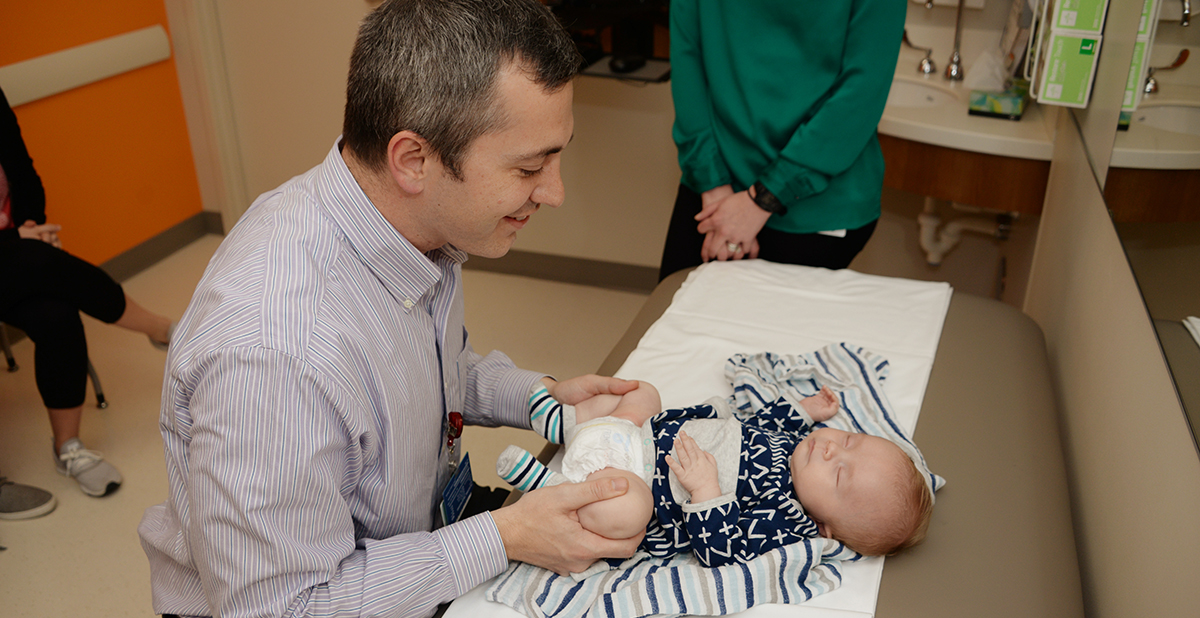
37	78
208	106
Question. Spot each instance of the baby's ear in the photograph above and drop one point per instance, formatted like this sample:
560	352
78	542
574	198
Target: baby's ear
823	530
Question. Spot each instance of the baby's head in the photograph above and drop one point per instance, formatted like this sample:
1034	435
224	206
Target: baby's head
862	490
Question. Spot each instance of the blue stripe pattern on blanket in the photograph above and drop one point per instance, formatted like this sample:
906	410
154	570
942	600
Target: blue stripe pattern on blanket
646	586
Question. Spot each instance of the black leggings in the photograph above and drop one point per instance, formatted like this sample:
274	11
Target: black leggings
682	249
42	291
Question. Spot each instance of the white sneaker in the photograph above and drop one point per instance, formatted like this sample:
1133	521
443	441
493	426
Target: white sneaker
96	477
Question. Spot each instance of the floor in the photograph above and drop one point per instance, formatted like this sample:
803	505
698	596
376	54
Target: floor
84	558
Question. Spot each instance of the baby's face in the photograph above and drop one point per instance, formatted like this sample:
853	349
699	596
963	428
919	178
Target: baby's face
839	476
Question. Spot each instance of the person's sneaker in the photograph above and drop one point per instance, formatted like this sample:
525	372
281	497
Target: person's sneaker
24	502
96	477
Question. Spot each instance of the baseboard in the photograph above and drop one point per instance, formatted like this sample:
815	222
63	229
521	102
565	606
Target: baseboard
154	250
596	273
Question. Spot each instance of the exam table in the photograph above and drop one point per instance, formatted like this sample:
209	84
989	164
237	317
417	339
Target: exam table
1000	542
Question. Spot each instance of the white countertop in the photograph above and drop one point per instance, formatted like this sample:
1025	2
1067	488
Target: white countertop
952	127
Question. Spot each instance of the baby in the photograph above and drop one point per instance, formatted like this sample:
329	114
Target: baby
729	489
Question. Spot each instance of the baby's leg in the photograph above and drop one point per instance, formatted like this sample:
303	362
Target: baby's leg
624	516
636	406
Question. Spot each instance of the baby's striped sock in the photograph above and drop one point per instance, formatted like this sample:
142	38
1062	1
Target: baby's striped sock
523	471
549	418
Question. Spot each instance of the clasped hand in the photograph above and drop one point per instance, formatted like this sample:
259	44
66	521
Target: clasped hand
729	219
46	232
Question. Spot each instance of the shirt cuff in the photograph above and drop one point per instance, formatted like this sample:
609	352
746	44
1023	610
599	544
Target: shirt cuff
474	551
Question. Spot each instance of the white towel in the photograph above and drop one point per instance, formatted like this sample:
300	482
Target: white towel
725	308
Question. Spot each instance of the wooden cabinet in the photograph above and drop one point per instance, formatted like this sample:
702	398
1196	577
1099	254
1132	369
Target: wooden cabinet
1001	183
1153	196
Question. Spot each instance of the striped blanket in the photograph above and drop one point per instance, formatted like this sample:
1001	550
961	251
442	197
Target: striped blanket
648	586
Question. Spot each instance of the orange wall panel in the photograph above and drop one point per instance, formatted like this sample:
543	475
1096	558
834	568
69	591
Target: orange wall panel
113	155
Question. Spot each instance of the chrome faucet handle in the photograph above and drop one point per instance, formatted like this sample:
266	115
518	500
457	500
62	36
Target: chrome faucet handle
927	66
1187	14
1151	86
954	70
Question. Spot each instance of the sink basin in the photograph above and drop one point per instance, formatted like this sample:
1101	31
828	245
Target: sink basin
918	94
1173	118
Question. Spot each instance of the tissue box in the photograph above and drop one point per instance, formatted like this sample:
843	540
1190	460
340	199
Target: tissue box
1070	67
1008	104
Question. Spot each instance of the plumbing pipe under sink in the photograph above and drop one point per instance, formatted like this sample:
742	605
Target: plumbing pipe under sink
937	243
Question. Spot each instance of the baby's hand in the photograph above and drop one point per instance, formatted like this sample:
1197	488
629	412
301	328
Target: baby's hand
822	406
695	468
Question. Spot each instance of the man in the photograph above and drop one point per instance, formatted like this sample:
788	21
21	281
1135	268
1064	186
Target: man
313	383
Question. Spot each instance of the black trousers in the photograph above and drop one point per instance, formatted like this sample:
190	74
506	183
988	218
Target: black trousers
682	249
42	291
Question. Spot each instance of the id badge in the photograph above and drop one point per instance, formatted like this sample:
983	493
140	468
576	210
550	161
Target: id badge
457	492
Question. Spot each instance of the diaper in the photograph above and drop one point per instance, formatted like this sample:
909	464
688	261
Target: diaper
609	442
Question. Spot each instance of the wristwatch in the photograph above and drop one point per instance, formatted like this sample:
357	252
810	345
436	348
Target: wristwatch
767	200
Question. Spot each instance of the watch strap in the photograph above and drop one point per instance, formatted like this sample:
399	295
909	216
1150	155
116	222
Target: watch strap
767	200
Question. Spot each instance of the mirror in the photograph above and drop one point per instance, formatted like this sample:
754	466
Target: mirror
1151	185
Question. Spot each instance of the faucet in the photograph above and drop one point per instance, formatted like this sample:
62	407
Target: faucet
1187	13
1152	83
954	70
926	66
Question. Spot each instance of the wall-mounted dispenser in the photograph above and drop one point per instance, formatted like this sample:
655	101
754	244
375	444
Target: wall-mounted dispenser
1065	50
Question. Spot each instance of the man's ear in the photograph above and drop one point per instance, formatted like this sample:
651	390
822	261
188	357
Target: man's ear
409	161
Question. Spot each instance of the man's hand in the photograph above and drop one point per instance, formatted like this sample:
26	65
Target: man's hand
543	529
734	220
47	232
696	469
575	390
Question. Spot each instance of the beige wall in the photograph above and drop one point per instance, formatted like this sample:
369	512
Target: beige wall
621	176
287	62
1132	464
277	70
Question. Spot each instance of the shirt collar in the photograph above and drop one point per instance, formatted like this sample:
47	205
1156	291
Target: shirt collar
405	272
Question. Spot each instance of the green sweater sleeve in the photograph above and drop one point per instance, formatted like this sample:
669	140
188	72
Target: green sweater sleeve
699	155
840	125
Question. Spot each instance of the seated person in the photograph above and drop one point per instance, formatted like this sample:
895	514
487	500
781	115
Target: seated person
791	482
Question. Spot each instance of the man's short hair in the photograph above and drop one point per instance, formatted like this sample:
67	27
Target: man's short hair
431	67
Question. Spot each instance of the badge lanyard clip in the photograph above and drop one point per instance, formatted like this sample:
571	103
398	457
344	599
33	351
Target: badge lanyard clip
454	429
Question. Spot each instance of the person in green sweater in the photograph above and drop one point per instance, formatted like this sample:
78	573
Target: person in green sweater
776	105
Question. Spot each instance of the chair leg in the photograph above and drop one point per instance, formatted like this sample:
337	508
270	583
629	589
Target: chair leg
101	402
8	355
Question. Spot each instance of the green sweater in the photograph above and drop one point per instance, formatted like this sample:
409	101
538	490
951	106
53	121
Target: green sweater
787	93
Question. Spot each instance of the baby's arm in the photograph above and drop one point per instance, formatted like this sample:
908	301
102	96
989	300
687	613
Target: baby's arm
822	406
695	468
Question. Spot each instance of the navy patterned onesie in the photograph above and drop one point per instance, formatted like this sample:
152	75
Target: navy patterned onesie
764	514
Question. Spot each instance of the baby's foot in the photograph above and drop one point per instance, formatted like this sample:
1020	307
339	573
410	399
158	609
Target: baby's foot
523	471
822	406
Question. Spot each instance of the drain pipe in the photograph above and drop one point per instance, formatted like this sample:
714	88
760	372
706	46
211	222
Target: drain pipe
937	244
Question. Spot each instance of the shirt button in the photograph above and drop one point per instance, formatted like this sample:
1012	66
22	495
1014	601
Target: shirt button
408	304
